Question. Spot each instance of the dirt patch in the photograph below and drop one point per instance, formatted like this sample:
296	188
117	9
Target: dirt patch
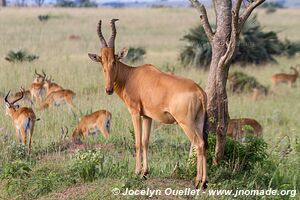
73	192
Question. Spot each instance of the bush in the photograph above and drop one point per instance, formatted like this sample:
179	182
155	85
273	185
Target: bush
86	164
255	46
20	56
241	82
135	54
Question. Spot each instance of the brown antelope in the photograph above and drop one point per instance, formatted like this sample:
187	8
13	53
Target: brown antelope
151	94
258	92
25	93
37	87
50	86
58	98
290	79
90	124
237	128
23	118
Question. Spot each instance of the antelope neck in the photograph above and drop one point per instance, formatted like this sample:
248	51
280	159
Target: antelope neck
123	72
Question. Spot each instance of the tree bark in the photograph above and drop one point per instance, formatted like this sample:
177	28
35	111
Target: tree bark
224	42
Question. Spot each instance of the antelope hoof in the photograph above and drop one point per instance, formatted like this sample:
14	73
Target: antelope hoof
204	185
197	183
137	172
145	175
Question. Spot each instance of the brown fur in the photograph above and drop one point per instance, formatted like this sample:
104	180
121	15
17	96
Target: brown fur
51	87
236	128
58	98
100	120
24	120
290	79
151	94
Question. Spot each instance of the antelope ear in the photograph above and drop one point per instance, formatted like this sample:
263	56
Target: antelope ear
122	54
94	57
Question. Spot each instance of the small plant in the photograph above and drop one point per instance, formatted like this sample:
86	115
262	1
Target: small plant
135	54
43	18
86	163
241	82
20	56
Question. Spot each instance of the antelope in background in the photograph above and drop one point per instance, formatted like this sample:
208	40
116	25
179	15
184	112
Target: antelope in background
90	124
290	79
26	93
37	87
58	98
151	94
237	128
50	86
23	118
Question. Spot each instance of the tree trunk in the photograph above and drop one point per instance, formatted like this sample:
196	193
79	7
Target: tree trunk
217	107
224	42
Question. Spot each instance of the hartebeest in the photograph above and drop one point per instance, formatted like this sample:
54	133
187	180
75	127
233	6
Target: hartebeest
23	119
238	128
90	124
151	94
58	98
290	79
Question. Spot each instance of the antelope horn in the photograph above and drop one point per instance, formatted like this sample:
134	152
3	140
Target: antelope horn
111	43
5	99
102	40
44	74
22	95
37	73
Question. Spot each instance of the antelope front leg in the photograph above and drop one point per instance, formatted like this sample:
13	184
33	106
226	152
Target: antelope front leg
136	119
145	142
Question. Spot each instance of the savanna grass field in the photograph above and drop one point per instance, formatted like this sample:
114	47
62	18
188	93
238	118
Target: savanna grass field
57	171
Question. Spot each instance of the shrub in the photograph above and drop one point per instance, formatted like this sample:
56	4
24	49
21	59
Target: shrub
255	46
65	3
135	54
241	82
20	56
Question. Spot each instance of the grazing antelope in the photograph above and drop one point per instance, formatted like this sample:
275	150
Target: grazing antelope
151	94
237	128
23	118
58	98
290	79
50	86
90	124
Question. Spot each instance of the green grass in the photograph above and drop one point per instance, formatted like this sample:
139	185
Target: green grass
69	65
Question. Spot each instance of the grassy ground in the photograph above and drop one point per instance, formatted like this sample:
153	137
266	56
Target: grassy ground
159	31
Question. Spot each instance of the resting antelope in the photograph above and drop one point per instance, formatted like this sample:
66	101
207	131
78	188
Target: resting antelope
89	124
23	118
51	86
285	78
58	98
237	128
151	94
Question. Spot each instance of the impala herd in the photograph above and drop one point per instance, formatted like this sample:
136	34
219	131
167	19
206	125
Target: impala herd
148	94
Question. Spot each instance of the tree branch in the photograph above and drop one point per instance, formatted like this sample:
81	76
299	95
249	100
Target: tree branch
204	20
249	10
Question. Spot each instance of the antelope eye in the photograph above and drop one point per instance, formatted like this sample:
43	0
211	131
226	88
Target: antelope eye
104	70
